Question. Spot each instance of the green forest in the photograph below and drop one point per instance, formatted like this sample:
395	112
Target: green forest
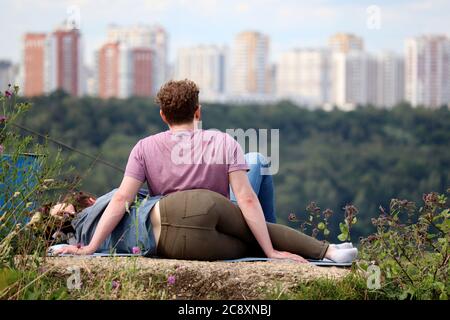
364	157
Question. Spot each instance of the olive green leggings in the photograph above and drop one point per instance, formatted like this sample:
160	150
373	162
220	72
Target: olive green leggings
204	225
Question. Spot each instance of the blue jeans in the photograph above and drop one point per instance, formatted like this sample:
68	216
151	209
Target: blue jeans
261	184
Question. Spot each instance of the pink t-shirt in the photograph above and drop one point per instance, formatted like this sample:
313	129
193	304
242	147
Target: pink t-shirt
185	160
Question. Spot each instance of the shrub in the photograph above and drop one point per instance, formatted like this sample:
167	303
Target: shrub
317	221
31	177
411	248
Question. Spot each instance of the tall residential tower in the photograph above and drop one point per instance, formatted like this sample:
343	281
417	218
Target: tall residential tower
250	67
427	70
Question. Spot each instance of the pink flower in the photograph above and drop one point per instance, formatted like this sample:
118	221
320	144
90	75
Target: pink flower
136	250
171	280
8	94
115	284
2	119
42	269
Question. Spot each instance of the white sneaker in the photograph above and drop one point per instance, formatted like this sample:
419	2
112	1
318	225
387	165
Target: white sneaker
343	255
344	245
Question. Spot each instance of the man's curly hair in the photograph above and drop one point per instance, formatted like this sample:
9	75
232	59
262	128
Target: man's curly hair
178	101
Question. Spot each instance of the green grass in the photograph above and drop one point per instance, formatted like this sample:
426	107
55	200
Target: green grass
30	285
352	287
50	285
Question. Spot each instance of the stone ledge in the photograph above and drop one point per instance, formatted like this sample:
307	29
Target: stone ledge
203	280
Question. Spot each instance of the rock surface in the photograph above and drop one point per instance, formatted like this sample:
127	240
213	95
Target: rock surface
204	280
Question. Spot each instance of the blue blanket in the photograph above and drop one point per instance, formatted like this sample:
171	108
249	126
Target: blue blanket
321	263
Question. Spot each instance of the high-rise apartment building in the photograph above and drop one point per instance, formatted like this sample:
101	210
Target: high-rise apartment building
142	71
149	37
250	66
206	66
123	71
352	78
53	61
7	74
353	72
34	64
390	79
345	42
427	70
108	68
63	61
303	75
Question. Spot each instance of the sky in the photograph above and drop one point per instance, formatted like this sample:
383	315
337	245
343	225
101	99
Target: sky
383	24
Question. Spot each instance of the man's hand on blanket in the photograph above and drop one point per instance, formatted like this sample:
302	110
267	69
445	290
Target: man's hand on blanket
275	254
77	250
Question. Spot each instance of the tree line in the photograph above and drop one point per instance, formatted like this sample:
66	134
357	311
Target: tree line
364	157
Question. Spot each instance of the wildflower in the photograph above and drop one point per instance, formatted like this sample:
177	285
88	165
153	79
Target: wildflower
136	250
315	232
115	284
328	213
430	198
312	208
350	210
171	280
2	119
16	194
42	269
350	213
8	94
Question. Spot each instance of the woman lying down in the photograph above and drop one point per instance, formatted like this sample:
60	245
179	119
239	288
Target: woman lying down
194	224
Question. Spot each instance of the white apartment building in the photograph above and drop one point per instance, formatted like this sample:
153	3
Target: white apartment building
427	70
303	76
353	78
207	67
7	74
391	80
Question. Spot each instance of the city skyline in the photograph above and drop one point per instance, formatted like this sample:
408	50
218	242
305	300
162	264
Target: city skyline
135	59
289	24
344	75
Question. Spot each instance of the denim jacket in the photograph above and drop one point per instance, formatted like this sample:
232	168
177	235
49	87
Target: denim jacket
134	230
